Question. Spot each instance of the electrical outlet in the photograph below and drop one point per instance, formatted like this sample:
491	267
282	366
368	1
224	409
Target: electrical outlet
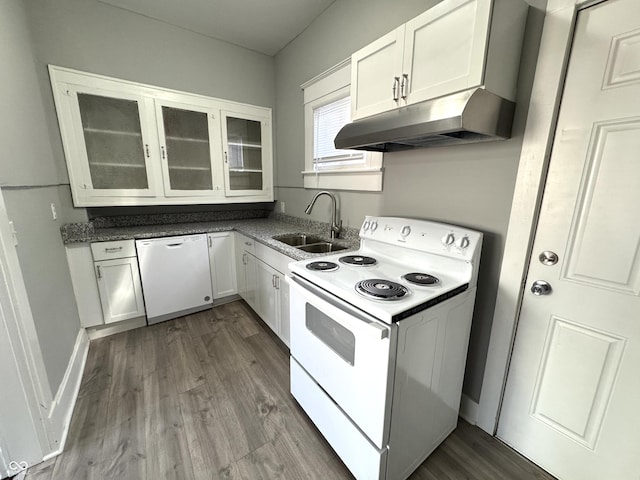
282	210
54	214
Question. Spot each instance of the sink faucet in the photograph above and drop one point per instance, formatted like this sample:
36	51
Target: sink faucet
335	228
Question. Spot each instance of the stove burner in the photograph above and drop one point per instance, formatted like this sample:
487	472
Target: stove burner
421	279
358	260
322	266
381	289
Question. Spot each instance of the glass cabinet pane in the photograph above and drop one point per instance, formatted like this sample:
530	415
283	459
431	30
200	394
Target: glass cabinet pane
244	155
188	152
113	139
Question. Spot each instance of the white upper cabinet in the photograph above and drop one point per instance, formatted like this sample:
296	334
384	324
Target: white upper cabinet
131	144
247	154
375	75
190	151
454	46
109	136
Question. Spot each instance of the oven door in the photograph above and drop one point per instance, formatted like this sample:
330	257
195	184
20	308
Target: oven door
347	352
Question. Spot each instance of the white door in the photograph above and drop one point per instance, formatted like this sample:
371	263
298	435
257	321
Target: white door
22	429
18	438
573	390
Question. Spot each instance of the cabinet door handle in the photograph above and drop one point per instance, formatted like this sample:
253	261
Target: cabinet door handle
163	154
244	258
98	272
277	282
225	157
273	281
396	88
404	86
210	243
146	149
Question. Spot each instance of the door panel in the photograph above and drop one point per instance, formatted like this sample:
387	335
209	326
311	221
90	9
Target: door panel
609	187
572	391
579	365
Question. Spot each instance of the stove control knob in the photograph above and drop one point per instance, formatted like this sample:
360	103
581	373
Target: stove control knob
366	225
406	230
463	242
374	226
449	239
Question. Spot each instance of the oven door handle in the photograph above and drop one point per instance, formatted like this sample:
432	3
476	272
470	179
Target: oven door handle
364	323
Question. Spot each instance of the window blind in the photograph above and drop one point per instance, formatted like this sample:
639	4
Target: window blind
327	121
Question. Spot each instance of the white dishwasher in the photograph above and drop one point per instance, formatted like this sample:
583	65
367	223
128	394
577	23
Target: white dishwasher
175	275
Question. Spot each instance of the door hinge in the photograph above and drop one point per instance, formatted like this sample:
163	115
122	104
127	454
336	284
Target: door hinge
14	234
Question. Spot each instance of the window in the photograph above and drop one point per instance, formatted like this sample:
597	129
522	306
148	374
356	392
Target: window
327	107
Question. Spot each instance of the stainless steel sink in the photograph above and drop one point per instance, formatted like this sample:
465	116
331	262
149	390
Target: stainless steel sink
297	239
321	247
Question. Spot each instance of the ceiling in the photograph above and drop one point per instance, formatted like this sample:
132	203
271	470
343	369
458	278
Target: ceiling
265	26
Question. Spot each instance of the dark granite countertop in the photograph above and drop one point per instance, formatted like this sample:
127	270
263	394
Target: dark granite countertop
261	230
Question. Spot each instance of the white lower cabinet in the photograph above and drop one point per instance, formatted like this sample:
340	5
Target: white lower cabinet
118	277
223	264
246	269
120	289
85	285
106	282
261	283
267	295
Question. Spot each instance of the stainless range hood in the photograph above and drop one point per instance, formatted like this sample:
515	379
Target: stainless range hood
474	115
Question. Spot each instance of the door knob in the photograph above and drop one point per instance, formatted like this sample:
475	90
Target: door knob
540	287
548	257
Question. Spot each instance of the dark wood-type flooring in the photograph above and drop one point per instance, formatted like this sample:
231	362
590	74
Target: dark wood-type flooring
207	397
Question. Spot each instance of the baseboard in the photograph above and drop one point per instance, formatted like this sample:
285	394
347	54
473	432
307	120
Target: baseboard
62	405
101	331
469	409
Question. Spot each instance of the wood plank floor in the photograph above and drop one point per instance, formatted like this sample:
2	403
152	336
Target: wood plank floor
207	397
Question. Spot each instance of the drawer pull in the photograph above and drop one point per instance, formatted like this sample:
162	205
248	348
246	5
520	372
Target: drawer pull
112	249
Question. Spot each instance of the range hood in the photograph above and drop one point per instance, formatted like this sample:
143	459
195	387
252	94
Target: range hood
475	115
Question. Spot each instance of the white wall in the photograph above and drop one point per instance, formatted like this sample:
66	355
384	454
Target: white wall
469	185
30	182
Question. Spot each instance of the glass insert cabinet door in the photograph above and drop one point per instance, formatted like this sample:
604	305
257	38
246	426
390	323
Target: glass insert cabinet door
186	139
245	146
114	144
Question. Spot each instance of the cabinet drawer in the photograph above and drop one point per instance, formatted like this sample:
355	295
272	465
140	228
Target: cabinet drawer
359	455
277	260
114	249
245	243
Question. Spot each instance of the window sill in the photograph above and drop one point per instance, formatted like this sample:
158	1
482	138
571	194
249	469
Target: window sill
369	180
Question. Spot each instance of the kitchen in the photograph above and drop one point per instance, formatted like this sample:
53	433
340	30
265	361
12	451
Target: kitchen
465	185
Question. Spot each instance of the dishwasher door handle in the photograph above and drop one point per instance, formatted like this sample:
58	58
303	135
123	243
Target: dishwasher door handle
174	245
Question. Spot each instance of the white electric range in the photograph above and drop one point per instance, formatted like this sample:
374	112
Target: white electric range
379	340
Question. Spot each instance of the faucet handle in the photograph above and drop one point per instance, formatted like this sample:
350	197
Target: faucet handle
335	229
